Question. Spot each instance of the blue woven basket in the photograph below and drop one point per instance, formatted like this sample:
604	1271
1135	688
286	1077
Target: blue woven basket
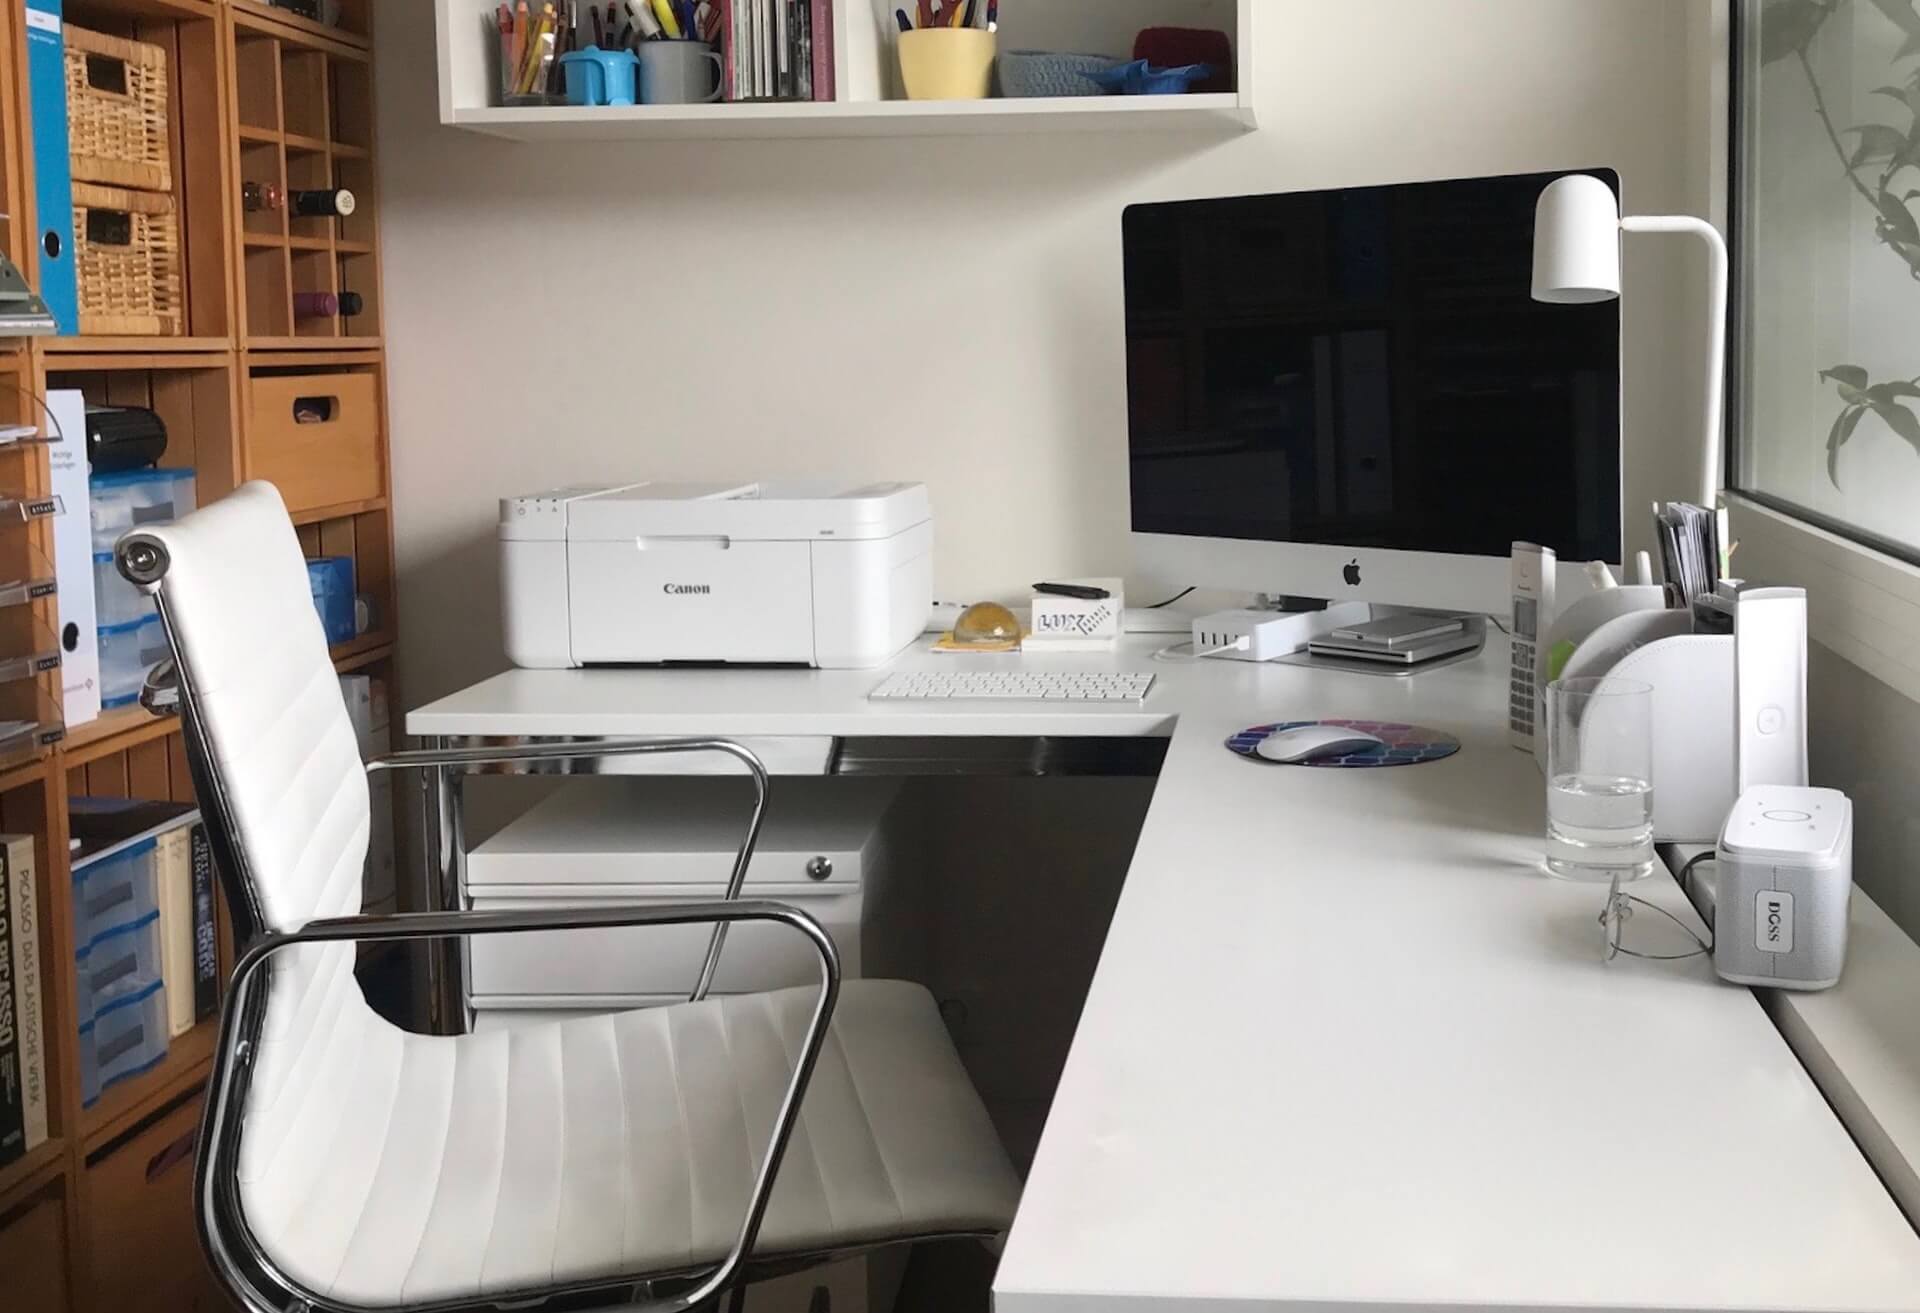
1028	73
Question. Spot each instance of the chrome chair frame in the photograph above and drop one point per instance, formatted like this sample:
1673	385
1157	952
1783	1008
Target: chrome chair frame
248	1271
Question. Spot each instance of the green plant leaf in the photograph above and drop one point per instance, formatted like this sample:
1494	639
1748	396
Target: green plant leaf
1908	98
1787	27
1908	251
1896	217
1890	392
1878	142
1901	14
1843	426
1849	375
1901	421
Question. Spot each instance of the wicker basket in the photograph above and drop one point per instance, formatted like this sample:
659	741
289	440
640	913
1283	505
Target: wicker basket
127	262
117	111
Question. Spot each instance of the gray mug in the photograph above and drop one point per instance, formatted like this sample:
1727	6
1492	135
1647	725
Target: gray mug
677	73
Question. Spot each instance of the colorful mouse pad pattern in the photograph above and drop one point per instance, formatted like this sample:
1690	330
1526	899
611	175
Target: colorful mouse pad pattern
1401	745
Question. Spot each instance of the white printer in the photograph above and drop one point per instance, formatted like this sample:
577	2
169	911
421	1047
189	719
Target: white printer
832	575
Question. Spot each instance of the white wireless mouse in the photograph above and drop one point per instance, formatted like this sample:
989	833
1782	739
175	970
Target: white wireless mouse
1305	743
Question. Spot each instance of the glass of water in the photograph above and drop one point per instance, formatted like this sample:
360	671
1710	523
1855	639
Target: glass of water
1599	779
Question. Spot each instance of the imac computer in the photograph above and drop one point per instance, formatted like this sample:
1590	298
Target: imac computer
1352	395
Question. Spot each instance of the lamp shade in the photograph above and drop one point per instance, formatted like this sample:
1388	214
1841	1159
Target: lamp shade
1576	242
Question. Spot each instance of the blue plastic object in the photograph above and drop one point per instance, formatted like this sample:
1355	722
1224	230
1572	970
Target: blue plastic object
331	579
601	77
1142	79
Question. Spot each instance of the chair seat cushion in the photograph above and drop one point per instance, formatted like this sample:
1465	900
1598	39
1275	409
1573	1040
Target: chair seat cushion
628	1143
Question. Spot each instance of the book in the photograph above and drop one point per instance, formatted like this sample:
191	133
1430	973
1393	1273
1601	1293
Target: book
173	889
206	941
820	48
19	872
802	49
13	1095
782	54
763	49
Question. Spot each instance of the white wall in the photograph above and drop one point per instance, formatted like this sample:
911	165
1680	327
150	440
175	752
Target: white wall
945	310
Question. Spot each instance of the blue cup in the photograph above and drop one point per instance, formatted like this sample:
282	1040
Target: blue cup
601	77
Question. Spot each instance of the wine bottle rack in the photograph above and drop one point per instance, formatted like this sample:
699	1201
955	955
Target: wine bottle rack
304	103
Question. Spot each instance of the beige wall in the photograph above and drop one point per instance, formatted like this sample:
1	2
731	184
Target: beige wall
944	310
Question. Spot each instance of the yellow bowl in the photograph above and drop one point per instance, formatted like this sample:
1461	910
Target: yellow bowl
947	63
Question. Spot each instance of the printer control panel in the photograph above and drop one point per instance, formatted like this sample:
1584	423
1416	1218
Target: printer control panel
540	516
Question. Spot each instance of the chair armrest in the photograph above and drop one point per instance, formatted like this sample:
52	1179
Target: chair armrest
448	758
233	1057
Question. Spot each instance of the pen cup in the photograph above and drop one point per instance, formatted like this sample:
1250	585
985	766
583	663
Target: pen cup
679	73
526	66
947	63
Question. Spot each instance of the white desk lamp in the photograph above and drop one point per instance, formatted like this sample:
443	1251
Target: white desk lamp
1576	261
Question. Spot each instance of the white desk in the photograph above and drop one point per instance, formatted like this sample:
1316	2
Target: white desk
1346	1046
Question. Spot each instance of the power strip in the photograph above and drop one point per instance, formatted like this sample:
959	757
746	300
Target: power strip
1269	635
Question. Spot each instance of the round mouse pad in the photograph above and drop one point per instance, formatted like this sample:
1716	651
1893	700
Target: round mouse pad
1401	745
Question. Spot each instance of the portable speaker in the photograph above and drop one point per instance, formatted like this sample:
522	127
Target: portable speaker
1783	883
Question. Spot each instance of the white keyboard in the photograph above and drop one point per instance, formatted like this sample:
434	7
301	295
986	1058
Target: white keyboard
1011	686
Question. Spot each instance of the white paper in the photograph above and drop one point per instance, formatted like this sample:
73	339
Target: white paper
73	559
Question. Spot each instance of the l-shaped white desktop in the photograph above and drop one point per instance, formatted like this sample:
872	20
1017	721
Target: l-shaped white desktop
1347	1045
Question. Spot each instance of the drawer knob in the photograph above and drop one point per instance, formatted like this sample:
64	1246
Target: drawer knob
820	868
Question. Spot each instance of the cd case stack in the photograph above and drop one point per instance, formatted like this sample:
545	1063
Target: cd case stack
777	49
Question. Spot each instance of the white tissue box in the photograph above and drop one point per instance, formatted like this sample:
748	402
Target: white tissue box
1070	623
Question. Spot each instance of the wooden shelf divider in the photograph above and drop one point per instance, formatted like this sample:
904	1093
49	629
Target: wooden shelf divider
26	1175
257	95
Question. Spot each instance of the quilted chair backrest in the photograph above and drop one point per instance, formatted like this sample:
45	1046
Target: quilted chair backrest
240	614
281	750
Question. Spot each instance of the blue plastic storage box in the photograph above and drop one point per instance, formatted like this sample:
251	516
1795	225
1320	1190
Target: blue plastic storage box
331	579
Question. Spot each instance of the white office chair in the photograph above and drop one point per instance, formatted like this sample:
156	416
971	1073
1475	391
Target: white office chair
670	1155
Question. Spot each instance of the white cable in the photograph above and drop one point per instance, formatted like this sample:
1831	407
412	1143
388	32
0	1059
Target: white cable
1171	652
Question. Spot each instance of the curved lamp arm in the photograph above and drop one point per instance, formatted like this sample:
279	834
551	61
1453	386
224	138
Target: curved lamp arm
1719	275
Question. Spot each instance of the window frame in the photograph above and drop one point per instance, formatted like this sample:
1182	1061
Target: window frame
1863	590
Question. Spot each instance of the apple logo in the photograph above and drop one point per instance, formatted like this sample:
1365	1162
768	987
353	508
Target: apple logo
1352	573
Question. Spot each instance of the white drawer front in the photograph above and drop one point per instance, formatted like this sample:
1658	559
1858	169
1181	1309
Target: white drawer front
607	833
635	964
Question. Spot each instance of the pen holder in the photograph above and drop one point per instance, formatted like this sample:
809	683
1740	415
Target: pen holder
526	67
947	63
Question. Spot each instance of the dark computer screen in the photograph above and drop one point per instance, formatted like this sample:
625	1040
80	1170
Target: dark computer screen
1368	368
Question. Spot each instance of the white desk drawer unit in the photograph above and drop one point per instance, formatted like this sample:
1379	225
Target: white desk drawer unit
596	842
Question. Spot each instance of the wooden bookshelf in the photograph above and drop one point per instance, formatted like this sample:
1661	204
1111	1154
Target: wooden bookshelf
106	1182
22	1177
